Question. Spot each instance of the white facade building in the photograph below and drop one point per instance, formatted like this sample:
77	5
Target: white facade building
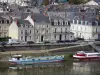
86	30
21	30
19	2
61	30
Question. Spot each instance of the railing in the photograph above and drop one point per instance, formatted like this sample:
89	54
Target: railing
95	47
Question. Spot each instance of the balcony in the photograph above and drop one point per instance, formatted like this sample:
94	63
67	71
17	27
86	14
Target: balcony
61	32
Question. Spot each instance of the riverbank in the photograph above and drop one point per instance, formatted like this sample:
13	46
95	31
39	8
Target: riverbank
56	51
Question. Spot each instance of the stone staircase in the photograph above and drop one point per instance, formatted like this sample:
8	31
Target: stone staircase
97	49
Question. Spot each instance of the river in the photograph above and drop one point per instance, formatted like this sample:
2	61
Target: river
68	68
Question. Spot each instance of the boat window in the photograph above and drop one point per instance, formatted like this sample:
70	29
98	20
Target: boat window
18	58
47	58
92	55
98	54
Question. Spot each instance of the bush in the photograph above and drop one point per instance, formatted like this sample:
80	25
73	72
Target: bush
68	57
4	39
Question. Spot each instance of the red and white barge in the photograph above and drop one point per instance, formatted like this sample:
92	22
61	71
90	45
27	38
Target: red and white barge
81	55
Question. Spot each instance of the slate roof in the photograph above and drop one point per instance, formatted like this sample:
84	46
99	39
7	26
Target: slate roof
22	22
40	18
56	17
97	0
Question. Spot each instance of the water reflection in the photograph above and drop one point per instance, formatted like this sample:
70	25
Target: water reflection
71	68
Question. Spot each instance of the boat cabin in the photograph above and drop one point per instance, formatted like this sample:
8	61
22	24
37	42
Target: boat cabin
16	57
80	53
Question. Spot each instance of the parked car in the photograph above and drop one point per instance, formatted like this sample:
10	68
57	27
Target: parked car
67	41
97	39
74	40
79	39
3	43
60	41
13	41
45	42
30	42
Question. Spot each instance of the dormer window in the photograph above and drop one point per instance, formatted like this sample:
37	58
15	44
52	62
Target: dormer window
75	21
69	23
2	21
7	21
58	23
93	23
63	23
79	22
7	9
98	23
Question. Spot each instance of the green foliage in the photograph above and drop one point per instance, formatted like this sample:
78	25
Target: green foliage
4	39
77	1
45	2
68	57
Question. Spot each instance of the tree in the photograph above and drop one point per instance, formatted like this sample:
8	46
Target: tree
77	1
45	2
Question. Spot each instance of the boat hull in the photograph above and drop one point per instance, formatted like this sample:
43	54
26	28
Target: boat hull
33	62
86	58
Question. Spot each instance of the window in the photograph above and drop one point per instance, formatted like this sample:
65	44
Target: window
47	26
55	30
69	23
30	31
28	26
2	21
25	32
37	31
4	34
98	23
52	23
65	29
47	31
7	21
79	22
83	22
55	36
21	31
96	29
30	37
23	26
58	23
86	23
65	37
61	30
63	23
21	37
93	23
75	21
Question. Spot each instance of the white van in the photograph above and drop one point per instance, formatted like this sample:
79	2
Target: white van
13	41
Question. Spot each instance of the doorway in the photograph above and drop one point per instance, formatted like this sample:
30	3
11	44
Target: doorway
42	38
60	37
25	38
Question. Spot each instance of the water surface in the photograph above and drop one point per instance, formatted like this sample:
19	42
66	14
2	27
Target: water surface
69	68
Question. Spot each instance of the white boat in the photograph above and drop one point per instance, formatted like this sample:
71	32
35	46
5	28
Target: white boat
81	55
19	59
